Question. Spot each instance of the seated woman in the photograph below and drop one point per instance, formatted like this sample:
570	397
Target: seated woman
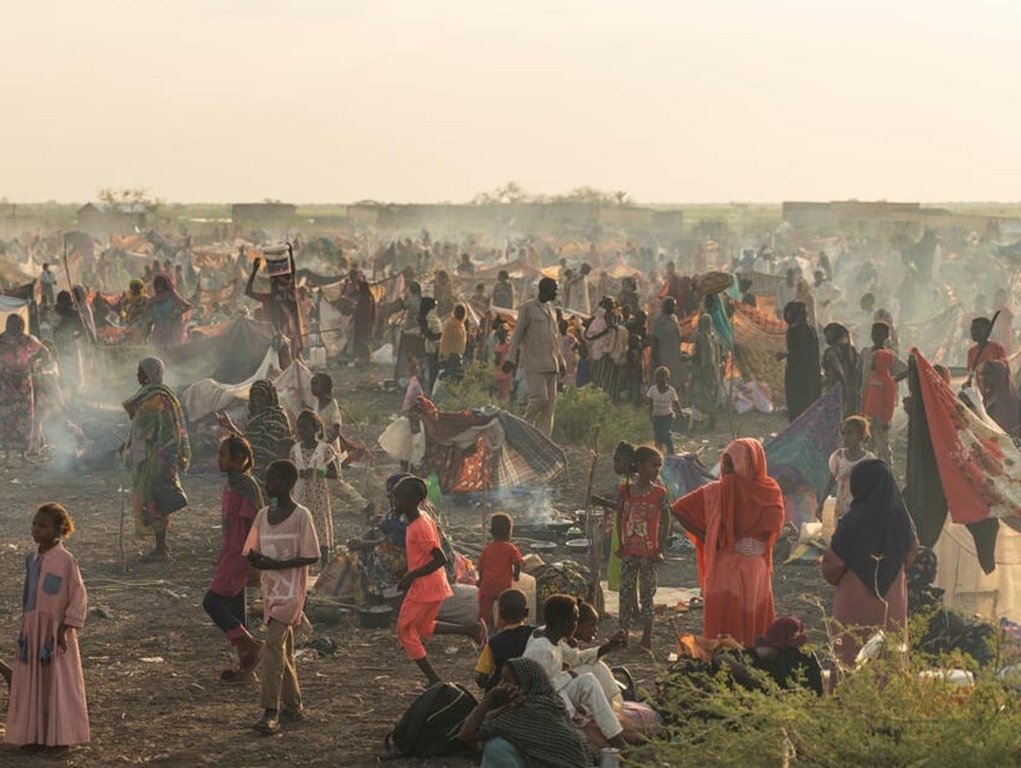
580	692
778	654
382	561
524	723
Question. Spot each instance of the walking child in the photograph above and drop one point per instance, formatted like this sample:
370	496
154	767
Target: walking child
499	565
663	404
644	518
47	704
854	433
313	456
225	602
425	585
282	545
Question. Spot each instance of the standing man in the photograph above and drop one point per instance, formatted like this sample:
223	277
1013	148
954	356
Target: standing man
47	280
535	346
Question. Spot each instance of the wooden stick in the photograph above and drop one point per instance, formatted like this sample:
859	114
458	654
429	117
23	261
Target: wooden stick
120	534
595	553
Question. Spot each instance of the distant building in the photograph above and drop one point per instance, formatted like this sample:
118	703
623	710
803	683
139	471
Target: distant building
276	218
105	219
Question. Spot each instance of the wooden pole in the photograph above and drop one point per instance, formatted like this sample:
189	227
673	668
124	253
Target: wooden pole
594	529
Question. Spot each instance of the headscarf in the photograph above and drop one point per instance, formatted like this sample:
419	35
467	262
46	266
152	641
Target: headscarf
14	330
243	484
785	632
267	425
539	729
748	504
874	537
1001	402
795	313
153	369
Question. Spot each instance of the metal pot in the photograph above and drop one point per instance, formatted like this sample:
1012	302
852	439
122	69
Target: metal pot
375	616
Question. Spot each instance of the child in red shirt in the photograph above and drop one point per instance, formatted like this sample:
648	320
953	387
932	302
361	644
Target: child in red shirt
425	584
499	565
643	518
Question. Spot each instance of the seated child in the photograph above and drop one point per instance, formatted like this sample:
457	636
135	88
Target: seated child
588	627
581	693
508	643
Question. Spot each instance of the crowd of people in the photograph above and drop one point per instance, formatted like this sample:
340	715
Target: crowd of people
664	342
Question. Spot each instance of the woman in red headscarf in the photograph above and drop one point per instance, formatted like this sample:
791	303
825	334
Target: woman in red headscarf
734	523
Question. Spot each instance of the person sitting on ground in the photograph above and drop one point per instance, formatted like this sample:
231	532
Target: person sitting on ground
525	723
580	692
585	632
507	643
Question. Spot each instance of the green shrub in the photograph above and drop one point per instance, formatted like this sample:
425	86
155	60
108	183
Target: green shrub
881	715
475	389
581	410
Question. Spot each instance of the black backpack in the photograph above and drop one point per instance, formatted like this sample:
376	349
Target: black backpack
430	725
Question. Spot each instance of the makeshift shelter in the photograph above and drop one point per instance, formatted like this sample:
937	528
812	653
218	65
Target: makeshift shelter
472	451
294	386
963	479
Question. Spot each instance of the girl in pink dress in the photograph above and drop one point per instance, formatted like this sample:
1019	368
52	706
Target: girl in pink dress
47	688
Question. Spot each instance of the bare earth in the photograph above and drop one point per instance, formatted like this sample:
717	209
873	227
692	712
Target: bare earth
152	657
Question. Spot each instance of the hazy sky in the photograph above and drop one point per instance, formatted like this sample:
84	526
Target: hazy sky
672	100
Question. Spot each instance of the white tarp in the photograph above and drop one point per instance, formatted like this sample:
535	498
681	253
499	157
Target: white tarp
970	591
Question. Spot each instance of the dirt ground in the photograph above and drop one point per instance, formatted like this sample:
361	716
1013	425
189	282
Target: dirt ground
152	657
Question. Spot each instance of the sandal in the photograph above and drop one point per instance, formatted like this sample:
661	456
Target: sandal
268	724
156	556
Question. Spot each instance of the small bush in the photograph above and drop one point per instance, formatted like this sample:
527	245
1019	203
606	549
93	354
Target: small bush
581	410
882	715
476	388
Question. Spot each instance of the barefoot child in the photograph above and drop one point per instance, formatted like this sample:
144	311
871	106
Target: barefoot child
499	565
644	516
329	414
623	467
282	544
425	585
663	404
225	601
855	433
312	456
47	705
579	691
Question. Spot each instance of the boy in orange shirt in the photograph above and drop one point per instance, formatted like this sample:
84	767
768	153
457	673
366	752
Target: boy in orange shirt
425	584
499	565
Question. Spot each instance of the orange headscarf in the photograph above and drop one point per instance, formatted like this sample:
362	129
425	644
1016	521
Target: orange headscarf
745	503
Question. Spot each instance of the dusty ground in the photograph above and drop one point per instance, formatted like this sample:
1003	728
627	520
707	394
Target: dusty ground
152	657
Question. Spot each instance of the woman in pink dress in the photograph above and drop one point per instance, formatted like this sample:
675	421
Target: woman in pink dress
734	522
873	544
47	688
